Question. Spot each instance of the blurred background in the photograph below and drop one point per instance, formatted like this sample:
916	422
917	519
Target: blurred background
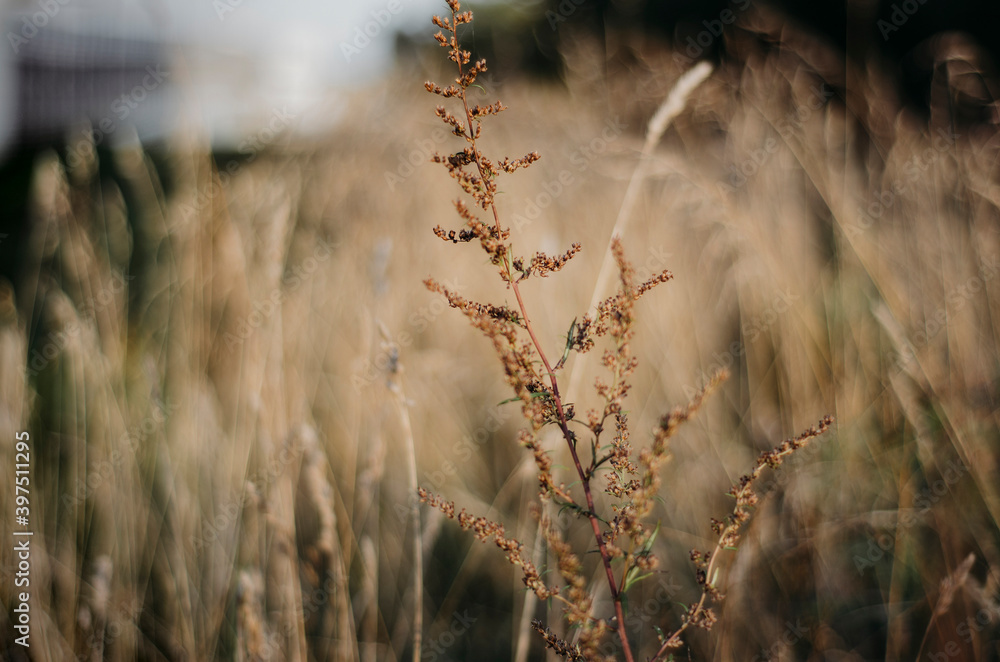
215	222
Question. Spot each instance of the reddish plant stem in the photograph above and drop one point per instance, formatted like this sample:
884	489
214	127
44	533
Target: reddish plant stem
584	477
557	400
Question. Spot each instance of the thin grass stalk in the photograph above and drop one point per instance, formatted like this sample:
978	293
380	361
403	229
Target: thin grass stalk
557	405
671	107
395	384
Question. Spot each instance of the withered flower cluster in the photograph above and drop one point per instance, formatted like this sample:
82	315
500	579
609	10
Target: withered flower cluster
700	613
485	530
632	481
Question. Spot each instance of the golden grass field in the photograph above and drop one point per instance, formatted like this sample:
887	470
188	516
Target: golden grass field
222	455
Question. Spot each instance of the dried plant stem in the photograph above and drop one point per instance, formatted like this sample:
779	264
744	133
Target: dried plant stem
625	535
671	106
658	124
399	396
558	406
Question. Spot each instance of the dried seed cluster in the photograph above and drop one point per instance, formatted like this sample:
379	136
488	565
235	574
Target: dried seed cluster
484	530
479	181
631	480
700	614
561	648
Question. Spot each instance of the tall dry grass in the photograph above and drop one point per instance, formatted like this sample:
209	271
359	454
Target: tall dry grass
217	445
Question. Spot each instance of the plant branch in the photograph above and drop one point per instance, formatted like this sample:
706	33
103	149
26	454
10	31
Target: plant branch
557	399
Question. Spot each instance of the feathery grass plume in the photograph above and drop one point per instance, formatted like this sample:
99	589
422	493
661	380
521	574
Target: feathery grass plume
625	539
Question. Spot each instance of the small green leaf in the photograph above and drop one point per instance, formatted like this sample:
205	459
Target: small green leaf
540	394
649	541
633	577
569	340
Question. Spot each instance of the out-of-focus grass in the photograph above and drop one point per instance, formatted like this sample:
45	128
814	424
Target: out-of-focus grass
217	461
